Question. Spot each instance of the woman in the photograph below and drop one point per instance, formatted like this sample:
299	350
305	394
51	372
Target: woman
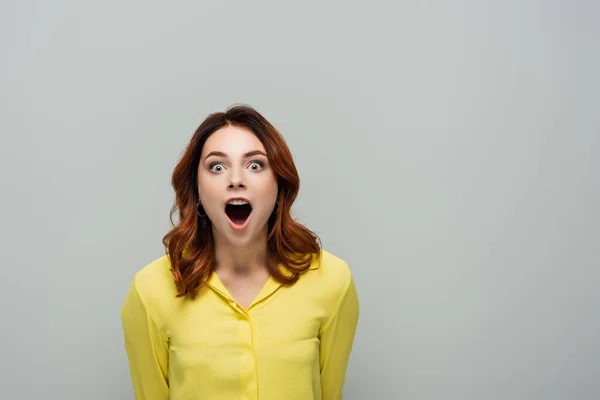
244	304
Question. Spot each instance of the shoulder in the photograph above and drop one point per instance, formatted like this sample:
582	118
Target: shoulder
333	268
154	283
331	276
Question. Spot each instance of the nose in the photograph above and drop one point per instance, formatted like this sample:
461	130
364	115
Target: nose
237	184
236	181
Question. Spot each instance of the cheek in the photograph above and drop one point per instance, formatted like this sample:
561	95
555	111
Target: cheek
206	190
269	187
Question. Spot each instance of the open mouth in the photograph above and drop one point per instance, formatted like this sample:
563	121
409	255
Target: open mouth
238	214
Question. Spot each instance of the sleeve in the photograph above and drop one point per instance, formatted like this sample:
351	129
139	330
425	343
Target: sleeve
147	349
337	337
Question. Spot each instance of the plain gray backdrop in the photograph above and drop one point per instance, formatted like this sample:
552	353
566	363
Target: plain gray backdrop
448	151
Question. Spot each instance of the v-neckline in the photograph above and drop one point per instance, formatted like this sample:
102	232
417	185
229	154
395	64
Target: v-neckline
268	287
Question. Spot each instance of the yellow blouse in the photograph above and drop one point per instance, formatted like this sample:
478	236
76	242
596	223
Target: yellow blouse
292	343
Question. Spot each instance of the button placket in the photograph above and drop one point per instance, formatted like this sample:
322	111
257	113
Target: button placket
248	359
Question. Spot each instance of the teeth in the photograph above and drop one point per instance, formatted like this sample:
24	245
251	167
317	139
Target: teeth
237	202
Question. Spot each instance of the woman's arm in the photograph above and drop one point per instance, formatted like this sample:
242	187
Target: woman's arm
337	336
147	348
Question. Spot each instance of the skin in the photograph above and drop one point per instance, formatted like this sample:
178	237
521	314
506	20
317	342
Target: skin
240	255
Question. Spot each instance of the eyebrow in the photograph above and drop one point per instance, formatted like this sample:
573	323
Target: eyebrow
221	154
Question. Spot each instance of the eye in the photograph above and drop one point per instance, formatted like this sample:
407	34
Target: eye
216	164
257	165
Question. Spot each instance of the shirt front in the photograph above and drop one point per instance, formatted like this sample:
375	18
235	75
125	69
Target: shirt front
293	342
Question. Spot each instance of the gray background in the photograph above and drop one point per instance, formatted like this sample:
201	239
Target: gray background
447	151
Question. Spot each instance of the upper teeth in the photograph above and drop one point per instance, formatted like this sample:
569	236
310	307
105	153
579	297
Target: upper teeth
237	202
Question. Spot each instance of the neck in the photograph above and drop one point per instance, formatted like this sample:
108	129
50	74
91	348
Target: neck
241	261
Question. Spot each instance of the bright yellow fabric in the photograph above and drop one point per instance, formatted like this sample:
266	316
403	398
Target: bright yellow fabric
292	343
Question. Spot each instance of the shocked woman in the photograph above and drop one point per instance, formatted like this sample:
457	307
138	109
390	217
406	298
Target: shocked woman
245	304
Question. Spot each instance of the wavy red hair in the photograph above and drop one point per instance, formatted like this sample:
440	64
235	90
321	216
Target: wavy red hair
190	244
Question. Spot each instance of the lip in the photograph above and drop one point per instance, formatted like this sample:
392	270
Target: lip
231	224
238	227
236	198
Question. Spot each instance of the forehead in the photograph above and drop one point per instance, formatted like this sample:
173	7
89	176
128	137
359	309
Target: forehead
233	140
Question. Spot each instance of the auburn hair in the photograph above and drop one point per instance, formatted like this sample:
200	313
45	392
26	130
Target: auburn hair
190	243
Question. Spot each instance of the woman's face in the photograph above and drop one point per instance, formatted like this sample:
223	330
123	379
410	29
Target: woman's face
234	164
